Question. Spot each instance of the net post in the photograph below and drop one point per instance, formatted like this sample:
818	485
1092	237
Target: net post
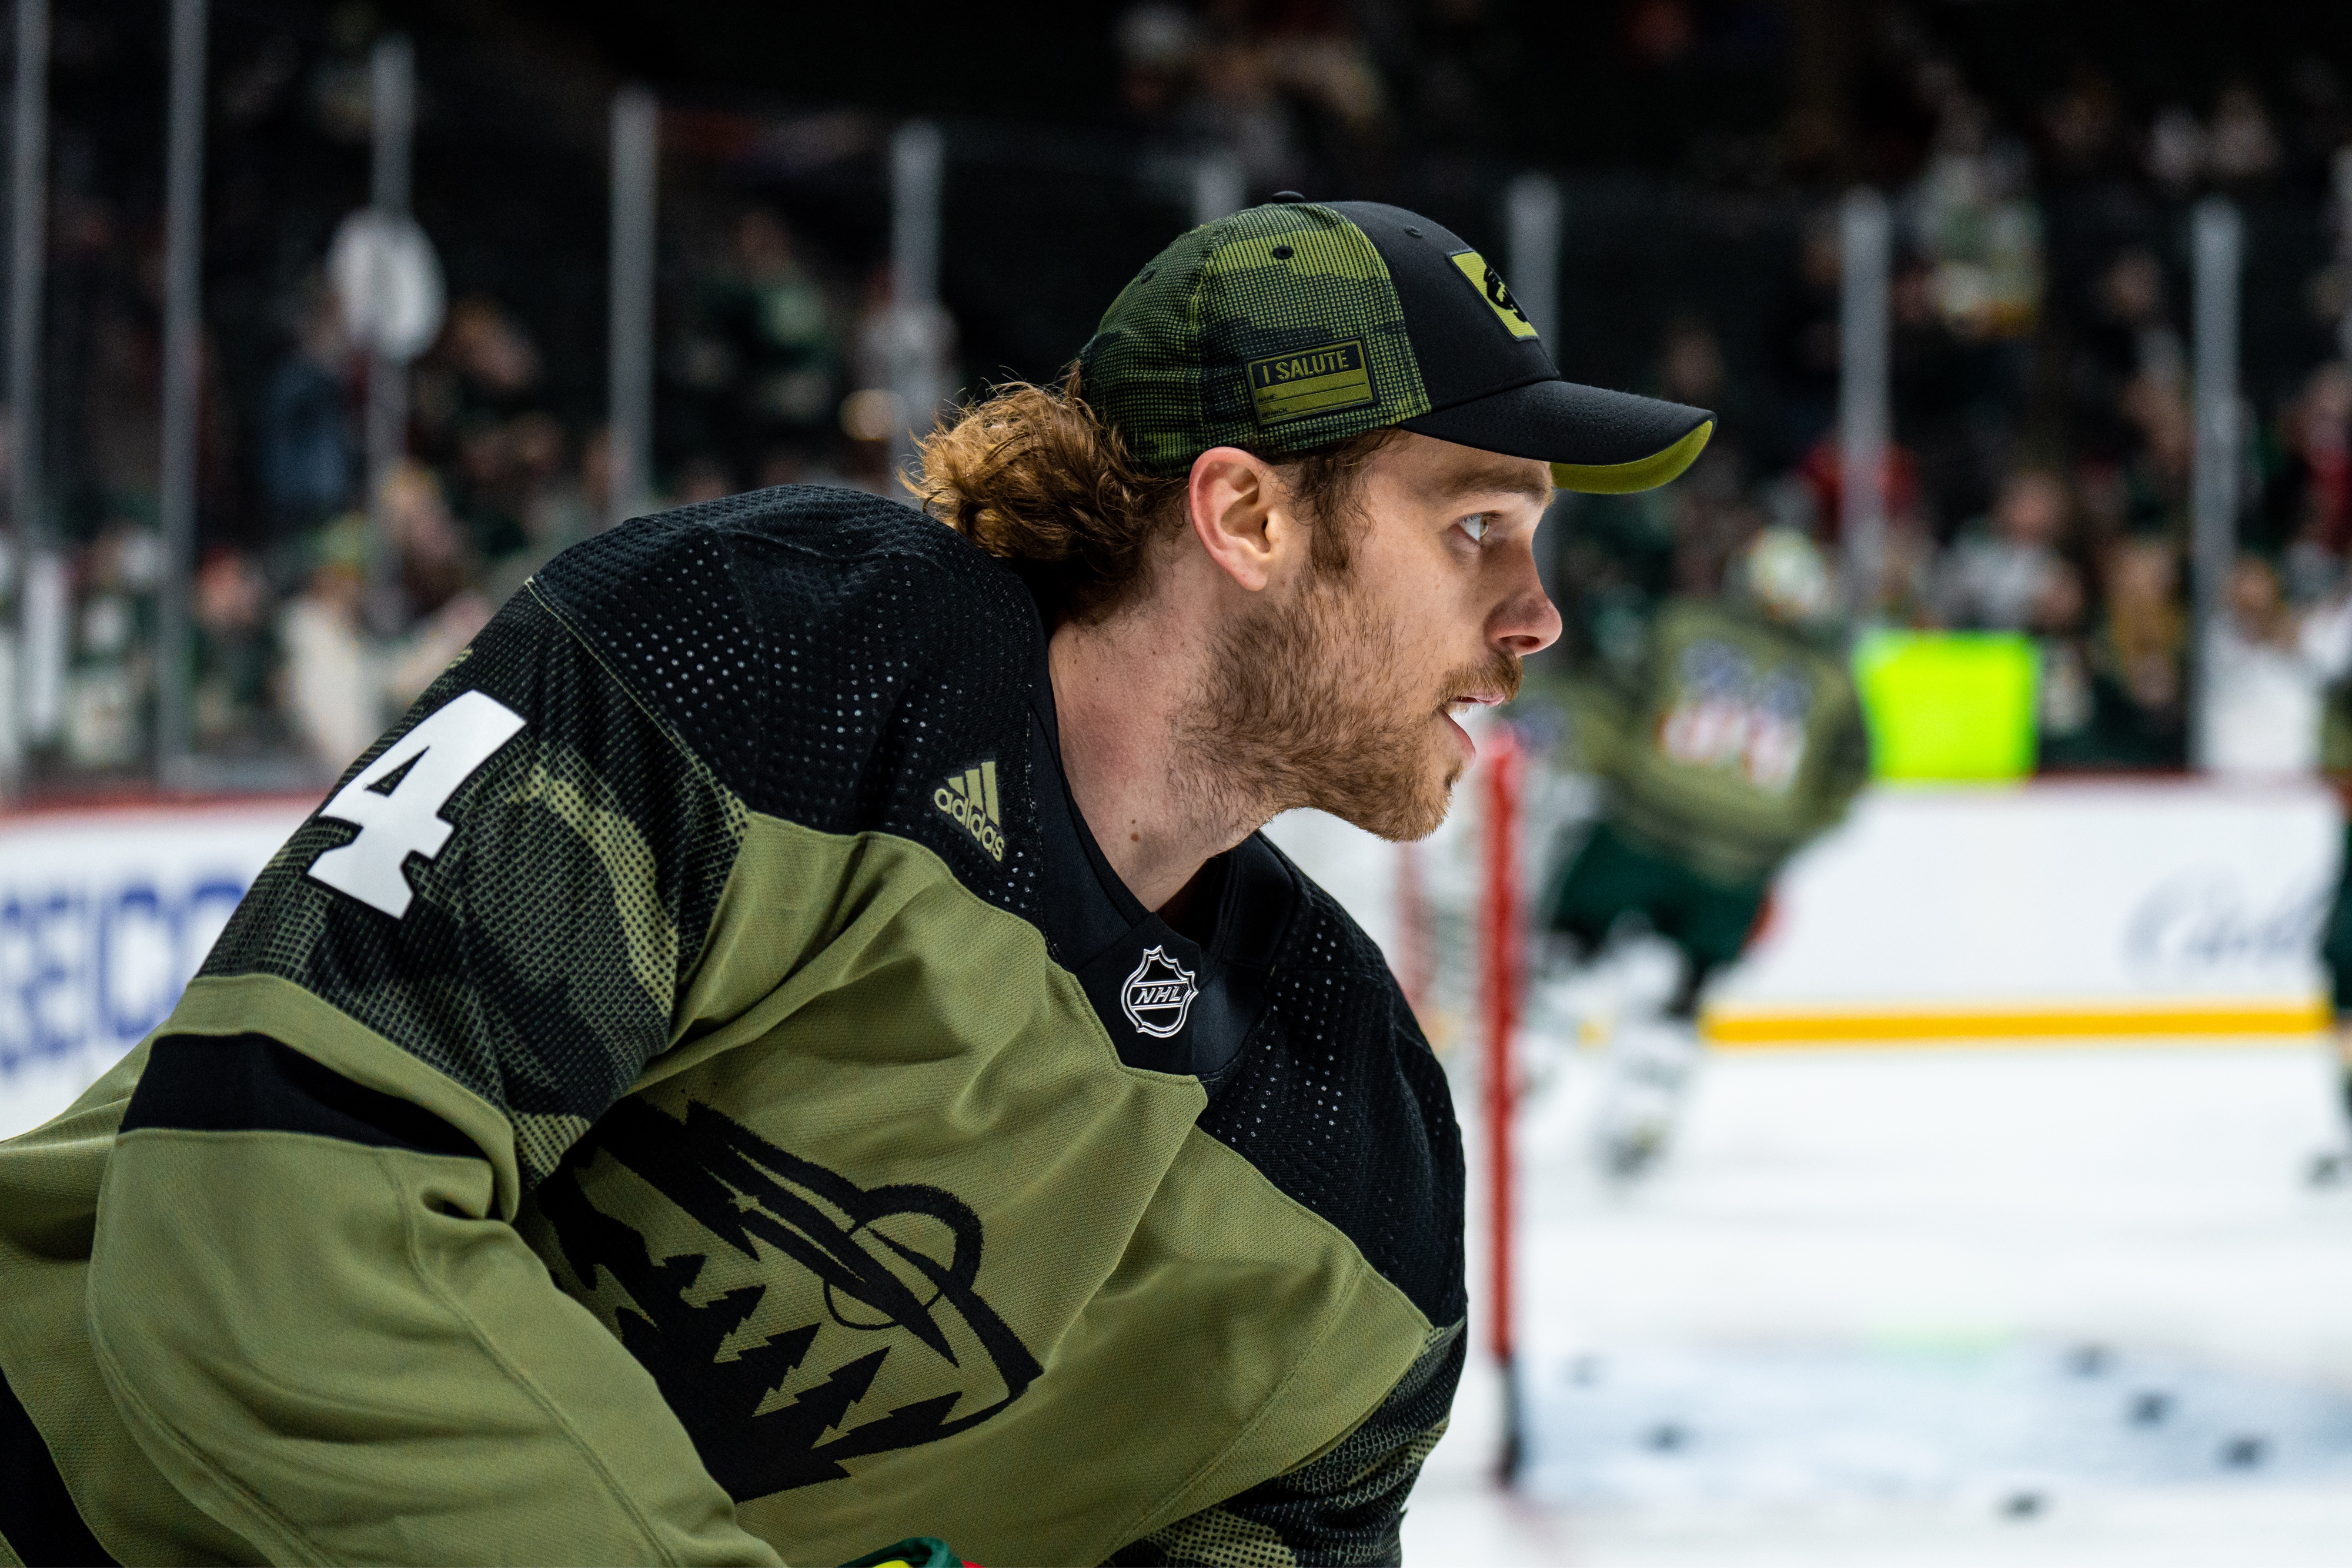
1500	966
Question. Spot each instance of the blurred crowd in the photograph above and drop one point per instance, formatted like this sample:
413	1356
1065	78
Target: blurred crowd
309	633
2038	483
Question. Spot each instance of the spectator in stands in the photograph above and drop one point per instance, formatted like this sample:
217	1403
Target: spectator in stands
2066	703
307	455
896	347
2241	150
234	653
2156	472
2268	670
483	374
2138	655
2307	500
1805	339
113	660
436	562
703	478
768	329
2127	334
1996	574
556	507
332	691
1936	394
1158	47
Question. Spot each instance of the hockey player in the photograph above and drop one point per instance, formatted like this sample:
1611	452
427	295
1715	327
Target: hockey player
796	1042
1739	740
2328	637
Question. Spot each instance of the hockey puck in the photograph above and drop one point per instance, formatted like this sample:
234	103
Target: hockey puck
2245	1452
2089	1360
1667	1438
2151	1408
2023	1504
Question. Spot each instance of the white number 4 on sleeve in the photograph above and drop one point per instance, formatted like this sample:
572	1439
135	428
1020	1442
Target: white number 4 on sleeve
439	754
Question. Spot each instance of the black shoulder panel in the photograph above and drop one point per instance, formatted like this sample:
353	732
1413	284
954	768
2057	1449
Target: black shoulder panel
837	659
1338	1102
43	1524
250	1083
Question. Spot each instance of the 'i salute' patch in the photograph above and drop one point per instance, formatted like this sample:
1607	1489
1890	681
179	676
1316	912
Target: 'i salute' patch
1314	380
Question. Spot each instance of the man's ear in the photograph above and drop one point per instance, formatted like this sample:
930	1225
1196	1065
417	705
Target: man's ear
1239	516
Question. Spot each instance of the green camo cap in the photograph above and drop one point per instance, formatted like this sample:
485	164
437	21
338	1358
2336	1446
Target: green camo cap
1290	326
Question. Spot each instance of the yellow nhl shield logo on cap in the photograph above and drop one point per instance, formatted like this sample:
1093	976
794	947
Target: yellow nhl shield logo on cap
1494	292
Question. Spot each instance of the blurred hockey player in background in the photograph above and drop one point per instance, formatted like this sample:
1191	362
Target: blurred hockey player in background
1737	740
2336	933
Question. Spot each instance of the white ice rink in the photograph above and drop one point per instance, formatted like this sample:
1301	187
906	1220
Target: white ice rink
2017	1305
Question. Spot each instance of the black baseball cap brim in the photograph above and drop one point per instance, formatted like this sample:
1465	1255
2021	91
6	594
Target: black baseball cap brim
1598	442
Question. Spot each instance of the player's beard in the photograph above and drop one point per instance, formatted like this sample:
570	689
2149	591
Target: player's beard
1313	704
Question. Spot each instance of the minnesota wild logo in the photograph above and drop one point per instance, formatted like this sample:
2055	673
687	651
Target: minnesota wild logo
1157	995
794	1319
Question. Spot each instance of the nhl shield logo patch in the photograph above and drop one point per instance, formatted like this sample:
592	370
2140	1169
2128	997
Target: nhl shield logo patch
1159	995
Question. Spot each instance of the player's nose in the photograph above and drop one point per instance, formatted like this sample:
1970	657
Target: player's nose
1526	620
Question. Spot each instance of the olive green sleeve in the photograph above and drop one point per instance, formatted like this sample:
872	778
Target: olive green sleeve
306	1295
339	1351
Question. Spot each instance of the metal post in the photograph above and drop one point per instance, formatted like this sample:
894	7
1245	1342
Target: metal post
40	625
1863	414
917	156
637	123
2219	244
2343	244
1531	209
183	341
1219	187
391	86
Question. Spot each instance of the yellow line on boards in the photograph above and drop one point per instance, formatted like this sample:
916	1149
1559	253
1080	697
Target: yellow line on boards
1734	1029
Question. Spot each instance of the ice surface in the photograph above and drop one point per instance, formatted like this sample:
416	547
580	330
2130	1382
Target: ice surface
1903	1307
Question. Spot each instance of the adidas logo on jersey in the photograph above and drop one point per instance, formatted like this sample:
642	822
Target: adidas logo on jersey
970	801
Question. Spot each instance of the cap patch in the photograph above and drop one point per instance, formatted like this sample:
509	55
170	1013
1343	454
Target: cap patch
1317	381
1494	291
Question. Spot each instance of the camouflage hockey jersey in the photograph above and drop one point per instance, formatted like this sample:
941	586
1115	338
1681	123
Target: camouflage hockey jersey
1737	741
696	1092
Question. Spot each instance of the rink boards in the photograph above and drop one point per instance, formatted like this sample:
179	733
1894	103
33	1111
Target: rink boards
2134	911
104	914
2130	910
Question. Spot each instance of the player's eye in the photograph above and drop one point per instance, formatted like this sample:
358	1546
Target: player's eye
1475	525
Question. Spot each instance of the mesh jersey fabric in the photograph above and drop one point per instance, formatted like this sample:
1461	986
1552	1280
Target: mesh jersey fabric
834	662
1342	1509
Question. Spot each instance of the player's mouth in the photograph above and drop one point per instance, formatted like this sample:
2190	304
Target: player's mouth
1457	705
